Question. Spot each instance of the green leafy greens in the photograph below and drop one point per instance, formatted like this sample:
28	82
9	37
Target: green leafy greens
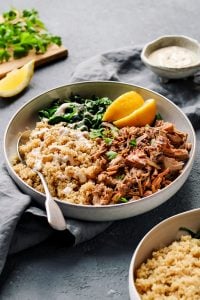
23	31
195	235
82	113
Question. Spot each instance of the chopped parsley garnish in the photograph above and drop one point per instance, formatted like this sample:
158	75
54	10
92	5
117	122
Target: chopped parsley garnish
111	154
22	31
108	140
120	177
123	200
159	117
94	133
102	133
133	143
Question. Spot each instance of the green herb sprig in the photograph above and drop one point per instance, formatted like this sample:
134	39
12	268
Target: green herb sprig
159	117
133	143
120	177
111	154
123	200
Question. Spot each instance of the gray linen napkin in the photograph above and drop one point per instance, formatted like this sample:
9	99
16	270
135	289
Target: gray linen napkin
22	224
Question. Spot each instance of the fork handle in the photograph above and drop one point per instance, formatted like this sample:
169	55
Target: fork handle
54	214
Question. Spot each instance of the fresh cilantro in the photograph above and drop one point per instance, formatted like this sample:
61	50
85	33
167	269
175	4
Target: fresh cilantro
159	117
22	31
111	154
10	15
123	200
56	40
4	55
120	177
133	143
108	140
102	133
95	133
19	51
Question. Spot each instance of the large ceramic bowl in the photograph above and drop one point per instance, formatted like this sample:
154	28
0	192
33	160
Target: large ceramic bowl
27	115
161	235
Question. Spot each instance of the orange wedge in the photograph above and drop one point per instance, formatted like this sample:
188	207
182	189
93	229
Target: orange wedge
140	117
123	106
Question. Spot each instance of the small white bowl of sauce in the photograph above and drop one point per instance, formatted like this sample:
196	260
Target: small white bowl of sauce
172	56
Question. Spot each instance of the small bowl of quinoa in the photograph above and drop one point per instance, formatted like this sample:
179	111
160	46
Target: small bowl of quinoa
166	263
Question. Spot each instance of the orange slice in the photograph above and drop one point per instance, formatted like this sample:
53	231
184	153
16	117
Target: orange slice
140	117
123	106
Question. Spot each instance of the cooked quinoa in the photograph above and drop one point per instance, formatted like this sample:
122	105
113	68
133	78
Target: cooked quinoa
64	156
172	272
127	165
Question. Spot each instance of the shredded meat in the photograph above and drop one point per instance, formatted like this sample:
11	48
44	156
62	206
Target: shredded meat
172	164
140	169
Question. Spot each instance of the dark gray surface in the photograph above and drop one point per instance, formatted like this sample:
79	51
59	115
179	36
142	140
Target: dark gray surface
97	269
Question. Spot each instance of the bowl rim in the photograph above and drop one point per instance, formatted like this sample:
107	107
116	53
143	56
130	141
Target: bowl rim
145	59
132	287
110	206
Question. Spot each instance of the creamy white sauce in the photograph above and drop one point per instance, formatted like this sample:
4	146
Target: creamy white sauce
80	134
38	164
81	176
81	139
61	110
173	57
62	177
57	147
35	133
60	159
64	130
36	151
67	190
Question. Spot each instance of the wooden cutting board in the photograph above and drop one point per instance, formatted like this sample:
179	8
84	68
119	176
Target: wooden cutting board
53	53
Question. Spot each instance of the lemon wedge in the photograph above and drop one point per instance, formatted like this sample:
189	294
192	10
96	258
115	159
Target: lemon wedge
123	106
142	116
17	80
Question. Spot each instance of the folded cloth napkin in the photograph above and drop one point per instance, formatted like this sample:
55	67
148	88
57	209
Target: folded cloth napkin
22	223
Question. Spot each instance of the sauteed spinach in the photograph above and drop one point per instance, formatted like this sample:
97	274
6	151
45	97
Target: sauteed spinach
195	235
82	113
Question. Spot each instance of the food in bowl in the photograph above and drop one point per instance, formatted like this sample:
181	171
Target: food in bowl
87	161
172	272
172	56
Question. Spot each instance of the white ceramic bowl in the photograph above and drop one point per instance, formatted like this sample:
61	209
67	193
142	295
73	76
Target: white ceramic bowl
161	235
172	40
27	116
